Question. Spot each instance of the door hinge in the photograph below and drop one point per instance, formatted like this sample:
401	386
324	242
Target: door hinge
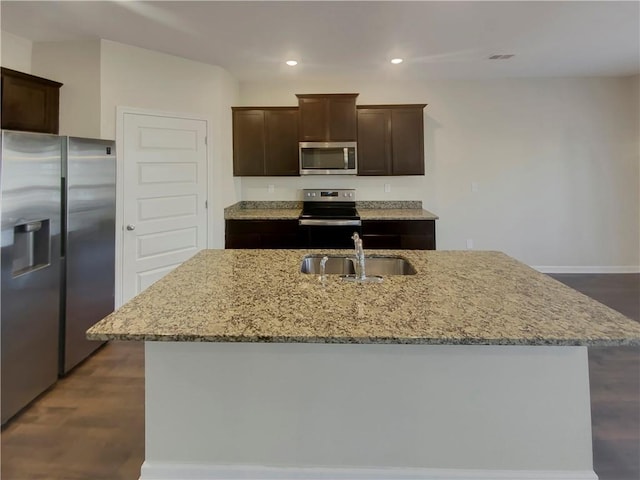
206	204
206	141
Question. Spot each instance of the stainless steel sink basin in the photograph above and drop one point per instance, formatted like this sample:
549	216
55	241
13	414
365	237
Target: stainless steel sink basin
336	265
388	266
342	265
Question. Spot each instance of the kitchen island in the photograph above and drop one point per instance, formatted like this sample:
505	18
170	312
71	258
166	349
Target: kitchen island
474	367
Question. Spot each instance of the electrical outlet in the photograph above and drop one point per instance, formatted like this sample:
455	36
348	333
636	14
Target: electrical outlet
469	243
474	187
387	188
270	188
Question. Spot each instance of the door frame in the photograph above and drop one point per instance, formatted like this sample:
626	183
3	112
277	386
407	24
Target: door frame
121	111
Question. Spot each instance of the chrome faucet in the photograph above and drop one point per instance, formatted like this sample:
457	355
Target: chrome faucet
358	261
323	269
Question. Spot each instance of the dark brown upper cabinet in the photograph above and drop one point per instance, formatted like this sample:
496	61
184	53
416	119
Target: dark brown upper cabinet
327	117
391	139
29	103
265	141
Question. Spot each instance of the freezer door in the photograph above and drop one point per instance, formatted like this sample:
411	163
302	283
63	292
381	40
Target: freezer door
90	177
30	265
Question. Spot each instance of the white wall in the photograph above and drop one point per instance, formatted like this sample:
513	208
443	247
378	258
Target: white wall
135	77
76	64
556	162
15	52
366	411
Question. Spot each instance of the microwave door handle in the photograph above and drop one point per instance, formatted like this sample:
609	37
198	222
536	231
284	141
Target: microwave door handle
345	152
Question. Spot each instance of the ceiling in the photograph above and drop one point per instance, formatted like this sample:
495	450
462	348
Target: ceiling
332	39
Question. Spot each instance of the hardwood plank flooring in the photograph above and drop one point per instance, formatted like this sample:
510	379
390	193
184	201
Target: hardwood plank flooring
614	376
90	425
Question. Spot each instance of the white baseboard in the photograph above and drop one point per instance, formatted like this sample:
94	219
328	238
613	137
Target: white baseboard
176	471
570	269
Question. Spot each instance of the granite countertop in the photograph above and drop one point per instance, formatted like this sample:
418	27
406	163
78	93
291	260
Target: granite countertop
267	210
456	297
290	210
395	214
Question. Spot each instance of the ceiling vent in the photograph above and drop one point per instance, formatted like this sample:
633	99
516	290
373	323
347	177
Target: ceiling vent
501	57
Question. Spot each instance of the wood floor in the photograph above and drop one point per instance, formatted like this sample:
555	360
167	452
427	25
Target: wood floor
90	425
614	375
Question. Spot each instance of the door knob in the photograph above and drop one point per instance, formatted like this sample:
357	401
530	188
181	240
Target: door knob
131	227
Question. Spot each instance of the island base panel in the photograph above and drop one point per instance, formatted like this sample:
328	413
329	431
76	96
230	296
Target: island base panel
258	411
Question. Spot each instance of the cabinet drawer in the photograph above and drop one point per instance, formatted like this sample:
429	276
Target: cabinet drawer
398	227
261	234
399	234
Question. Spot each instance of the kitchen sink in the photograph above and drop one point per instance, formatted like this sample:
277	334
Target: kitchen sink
343	265
336	265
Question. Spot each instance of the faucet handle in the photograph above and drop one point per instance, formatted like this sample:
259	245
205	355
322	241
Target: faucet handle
355	237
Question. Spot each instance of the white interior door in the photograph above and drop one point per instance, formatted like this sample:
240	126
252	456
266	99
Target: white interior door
165	191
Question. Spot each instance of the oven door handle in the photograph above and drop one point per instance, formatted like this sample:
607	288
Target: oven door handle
316	222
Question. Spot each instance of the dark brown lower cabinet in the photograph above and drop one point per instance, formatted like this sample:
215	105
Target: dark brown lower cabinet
399	234
261	234
376	234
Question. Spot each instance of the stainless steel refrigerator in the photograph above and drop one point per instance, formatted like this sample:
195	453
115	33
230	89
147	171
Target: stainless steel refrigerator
30	199
88	245
57	214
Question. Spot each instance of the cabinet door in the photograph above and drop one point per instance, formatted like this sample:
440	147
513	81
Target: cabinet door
374	141
328	117
249	142
261	234
341	117
29	103
282	142
313	119
407	140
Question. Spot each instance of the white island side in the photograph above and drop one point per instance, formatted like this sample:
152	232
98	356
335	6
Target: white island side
258	375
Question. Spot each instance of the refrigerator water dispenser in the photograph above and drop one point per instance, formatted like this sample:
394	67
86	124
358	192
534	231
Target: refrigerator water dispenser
31	247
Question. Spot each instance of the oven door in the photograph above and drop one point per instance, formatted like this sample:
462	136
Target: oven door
328	233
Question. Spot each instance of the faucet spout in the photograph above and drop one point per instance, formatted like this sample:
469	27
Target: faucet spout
359	257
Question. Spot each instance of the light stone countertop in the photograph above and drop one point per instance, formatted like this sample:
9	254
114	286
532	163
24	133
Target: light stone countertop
456	297
290	210
264	214
396	214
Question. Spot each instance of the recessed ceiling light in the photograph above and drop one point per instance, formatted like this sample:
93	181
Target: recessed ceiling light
291	63
396	61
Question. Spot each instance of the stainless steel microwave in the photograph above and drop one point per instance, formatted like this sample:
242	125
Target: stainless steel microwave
328	158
